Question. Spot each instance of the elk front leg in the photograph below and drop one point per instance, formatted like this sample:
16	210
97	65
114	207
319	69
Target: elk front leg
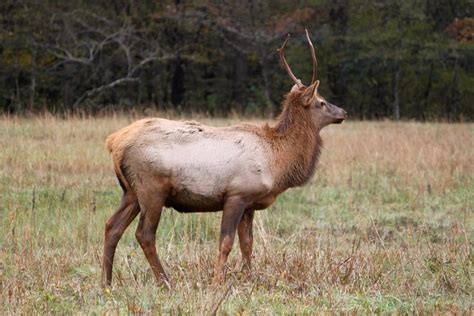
151	208
232	214
246	239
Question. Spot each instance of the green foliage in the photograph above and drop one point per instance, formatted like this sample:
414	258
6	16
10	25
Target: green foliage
376	58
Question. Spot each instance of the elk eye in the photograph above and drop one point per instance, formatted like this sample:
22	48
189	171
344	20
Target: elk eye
323	104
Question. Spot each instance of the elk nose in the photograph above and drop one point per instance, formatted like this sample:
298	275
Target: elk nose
344	113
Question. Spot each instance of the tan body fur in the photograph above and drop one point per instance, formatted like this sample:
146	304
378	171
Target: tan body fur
197	168
202	165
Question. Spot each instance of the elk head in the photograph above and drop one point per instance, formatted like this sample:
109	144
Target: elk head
322	112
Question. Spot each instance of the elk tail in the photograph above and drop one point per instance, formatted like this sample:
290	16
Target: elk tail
117	159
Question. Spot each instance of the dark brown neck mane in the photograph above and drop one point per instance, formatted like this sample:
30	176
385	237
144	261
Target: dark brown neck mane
296	144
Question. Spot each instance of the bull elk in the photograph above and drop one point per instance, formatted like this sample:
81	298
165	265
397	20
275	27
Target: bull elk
196	168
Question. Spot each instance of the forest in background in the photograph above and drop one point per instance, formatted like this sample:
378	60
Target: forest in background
409	59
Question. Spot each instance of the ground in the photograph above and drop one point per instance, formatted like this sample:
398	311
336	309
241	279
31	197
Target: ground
386	225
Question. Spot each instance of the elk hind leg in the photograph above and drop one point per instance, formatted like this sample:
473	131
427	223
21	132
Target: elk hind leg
114	229
245	231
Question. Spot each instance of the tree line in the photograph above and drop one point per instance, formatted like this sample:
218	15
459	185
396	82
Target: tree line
409	59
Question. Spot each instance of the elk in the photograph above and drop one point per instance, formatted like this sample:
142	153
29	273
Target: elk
197	168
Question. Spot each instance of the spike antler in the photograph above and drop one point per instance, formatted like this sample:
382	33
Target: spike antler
281	50
313	54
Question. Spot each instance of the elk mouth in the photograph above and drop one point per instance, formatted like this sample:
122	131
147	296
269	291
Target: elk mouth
339	120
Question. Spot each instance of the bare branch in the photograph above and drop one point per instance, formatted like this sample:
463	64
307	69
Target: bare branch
100	89
129	78
89	36
66	56
141	64
239	48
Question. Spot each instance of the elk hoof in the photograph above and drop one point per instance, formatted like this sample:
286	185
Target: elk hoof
218	279
246	268
164	282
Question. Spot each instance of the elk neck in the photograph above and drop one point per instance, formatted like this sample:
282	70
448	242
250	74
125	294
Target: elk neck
296	144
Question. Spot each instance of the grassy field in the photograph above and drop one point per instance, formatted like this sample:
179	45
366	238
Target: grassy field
386	225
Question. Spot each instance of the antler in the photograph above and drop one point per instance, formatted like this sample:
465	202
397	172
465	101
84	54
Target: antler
313	54
281	50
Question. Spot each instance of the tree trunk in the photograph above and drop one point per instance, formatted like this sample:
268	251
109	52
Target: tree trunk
33	82
396	95
177	83
68	88
18	94
267	85
452	103
423	104
241	73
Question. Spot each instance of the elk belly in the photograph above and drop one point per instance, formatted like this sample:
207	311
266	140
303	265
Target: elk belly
185	201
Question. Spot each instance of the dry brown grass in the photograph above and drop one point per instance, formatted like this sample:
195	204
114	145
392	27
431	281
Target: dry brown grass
386	226
420	154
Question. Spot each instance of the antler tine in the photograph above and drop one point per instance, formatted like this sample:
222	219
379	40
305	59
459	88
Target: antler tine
281	50
313	54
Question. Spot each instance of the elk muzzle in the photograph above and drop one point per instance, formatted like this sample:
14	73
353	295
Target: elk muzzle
338	114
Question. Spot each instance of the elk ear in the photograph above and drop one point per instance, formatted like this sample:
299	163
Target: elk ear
296	86
313	91
314	88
